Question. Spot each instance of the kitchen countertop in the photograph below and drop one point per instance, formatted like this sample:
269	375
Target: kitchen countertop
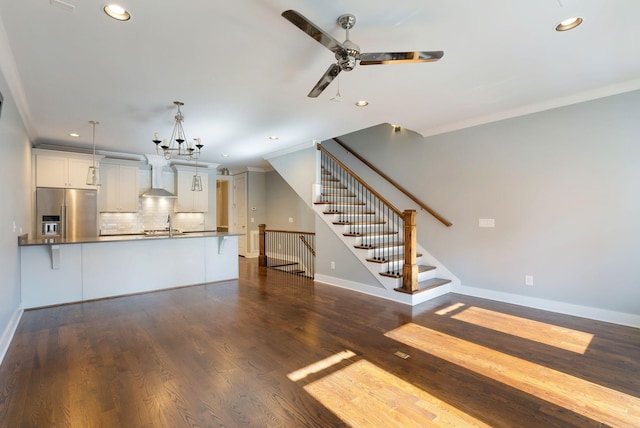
25	241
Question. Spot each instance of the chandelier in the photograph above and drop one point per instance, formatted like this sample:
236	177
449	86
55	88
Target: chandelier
178	147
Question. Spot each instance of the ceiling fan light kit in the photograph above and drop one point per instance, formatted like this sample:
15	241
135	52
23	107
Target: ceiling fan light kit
348	53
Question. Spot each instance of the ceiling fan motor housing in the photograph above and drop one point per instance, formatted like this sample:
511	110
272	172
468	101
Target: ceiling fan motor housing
347	59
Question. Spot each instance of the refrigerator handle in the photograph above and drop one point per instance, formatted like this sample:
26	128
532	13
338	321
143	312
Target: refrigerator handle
65	222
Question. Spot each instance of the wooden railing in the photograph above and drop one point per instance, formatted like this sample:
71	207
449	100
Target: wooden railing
377	225
287	250
395	184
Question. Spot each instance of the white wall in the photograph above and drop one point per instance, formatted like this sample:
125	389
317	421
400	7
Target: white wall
15	193
562	186
283	203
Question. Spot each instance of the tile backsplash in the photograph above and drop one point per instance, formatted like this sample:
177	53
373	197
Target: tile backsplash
152	215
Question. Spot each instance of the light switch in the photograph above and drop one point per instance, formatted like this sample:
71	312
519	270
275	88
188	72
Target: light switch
290	219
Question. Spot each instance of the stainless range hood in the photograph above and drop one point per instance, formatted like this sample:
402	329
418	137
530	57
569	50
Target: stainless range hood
157	191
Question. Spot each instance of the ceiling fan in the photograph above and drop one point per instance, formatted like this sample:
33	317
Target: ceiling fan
348	53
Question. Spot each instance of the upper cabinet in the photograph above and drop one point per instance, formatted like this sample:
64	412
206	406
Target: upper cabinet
191	201
119	190
63	169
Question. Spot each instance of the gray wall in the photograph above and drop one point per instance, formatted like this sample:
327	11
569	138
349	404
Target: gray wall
256	198
15	193
284	203
562	186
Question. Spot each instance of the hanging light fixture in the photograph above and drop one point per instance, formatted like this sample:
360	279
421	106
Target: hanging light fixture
196	181
177	148
93	173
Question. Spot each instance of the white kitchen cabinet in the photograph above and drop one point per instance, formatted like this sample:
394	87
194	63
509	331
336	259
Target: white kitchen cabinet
119	190
63	169
190	201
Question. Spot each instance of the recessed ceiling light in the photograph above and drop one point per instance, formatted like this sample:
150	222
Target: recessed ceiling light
568	24
274	137
224	155
362	103
73	134
117	12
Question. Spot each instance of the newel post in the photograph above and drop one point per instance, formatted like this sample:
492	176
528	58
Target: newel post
410	266
262	258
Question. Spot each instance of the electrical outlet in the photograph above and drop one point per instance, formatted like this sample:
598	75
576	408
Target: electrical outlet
290	219
333	265
528	280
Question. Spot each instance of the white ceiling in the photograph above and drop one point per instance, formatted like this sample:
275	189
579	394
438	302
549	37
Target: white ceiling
243	71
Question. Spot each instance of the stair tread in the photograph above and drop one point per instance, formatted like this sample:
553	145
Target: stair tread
358	223
379	247
400	257
428	284
338	203
370	234
349	212
342	195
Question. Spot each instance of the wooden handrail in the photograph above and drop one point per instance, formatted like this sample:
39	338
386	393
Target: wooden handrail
289	231
306	244
394	183
359	180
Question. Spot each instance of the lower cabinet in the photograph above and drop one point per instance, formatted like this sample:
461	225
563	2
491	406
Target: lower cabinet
191	201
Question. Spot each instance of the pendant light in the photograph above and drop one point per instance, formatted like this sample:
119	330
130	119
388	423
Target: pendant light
93	174
196	181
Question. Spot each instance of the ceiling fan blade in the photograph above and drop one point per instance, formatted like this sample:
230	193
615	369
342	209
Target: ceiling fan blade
399	57
324	81
314	31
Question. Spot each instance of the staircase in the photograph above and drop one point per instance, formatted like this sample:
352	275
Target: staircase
373	231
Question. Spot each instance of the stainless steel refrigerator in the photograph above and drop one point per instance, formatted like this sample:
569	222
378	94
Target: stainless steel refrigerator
66	213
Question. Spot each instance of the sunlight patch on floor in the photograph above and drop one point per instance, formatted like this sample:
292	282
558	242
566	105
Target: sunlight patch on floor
549	334
318	366
448	309
364	395
586	398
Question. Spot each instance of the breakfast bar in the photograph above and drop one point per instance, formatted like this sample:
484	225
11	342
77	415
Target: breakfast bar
64	271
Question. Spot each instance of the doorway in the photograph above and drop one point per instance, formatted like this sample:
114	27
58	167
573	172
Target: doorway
222	205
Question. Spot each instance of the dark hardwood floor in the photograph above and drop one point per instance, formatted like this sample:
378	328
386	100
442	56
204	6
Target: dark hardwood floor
258	352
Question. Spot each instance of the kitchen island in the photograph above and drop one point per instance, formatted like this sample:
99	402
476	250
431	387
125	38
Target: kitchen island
57	271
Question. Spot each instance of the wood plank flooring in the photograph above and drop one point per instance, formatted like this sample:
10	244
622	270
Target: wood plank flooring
275	350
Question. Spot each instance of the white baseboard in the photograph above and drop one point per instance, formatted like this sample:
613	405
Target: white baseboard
9	331
622	318
371	290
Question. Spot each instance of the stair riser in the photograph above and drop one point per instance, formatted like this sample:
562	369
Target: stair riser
353	218
378	240
364	228
335	190
380	252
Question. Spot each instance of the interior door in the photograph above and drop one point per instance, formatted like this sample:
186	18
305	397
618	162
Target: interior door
240	211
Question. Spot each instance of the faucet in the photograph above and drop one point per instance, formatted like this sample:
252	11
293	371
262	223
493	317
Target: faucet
170	226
